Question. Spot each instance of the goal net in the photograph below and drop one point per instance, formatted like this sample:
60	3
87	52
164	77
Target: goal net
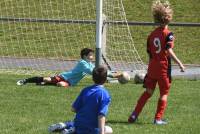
40	36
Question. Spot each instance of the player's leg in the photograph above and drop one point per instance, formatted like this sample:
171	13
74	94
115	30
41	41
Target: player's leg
57	80
57	127
52	80
63	84
48	79
63	127
150	85
68	131
30	80
164	86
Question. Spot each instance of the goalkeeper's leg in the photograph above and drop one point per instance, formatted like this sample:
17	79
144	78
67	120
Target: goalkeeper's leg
36	80
56	80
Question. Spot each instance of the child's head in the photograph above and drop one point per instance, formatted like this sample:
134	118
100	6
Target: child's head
162	12
87	53
99	75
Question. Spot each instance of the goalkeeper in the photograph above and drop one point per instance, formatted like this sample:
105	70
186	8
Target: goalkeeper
69	78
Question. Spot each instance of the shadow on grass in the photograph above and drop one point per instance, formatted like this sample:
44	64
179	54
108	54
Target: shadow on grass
126	122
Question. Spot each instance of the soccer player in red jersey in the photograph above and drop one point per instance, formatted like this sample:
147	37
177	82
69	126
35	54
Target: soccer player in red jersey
160	45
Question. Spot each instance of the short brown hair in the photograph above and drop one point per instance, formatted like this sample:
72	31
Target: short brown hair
162	12
99	75
85	52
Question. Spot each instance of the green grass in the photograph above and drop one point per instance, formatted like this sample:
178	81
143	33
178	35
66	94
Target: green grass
31	109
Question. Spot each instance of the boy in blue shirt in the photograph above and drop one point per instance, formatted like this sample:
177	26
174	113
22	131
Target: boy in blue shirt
91	107
68	78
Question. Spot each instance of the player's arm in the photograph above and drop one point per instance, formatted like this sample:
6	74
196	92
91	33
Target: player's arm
148	49
73	109
174	57
101	124
88	69
104	101
169	46
77	103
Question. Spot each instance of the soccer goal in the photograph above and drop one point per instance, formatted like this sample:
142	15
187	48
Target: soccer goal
43	36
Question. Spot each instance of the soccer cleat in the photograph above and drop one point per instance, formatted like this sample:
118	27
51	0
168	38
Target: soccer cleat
21	82
68	131
57	127
132	118
160	122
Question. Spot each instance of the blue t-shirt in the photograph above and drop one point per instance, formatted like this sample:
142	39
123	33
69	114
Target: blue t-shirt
82	68
92	102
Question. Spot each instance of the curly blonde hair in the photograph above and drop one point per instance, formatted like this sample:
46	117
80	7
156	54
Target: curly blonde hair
162	12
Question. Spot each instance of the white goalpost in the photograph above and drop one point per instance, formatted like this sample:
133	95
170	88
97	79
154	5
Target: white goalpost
47	35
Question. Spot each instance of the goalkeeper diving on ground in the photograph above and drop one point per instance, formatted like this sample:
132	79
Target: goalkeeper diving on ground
70	78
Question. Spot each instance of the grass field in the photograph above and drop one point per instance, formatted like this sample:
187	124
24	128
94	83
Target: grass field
31	109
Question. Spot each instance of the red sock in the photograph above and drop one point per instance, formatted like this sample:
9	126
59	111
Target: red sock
162	104
141	102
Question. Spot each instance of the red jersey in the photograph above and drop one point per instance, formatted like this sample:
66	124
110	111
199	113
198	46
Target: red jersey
158	42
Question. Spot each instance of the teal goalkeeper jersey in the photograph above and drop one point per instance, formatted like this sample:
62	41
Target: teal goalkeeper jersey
82	68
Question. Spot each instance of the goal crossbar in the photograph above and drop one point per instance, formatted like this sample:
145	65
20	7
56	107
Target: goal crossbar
93	22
